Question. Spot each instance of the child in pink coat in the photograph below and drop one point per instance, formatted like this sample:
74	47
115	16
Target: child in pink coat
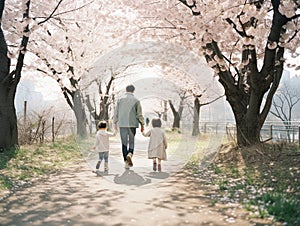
157	144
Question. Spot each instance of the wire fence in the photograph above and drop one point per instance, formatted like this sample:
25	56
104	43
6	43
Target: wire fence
271	131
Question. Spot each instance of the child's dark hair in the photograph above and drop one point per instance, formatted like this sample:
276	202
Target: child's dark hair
102	125
156	122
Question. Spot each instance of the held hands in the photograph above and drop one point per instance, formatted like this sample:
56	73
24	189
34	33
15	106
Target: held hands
142	129
116	127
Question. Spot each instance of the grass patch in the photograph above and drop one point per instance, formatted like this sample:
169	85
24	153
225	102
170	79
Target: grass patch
285	208
32	161
264	179
5	182
5	157
190	148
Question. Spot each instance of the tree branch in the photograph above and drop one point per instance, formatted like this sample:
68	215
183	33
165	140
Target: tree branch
191	7
51	14
209	102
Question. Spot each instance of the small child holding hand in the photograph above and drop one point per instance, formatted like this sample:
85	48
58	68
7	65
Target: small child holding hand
157	144
102	144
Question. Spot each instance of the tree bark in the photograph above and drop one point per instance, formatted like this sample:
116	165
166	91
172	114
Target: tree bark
196	130
5	119
105	101
8	85
245	94
81	120
176	114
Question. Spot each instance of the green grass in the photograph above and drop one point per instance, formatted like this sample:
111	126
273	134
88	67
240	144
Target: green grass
32	161
283	207
5	157
5	182
266	193
269	187
186	146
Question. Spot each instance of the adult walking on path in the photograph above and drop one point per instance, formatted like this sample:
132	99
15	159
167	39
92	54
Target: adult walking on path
128	115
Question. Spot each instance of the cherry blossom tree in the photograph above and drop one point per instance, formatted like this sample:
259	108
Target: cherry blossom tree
9	79
178	113
8	84
247	43
106	99
79	33
196	109
21	20
72	53
65	39
284	103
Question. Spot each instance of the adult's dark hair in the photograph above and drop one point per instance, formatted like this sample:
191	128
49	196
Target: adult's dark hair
156	122
102	125
130	88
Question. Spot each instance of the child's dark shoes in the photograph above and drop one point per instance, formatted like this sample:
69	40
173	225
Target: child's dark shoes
154	166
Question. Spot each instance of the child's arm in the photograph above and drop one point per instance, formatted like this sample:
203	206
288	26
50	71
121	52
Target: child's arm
147	134
165	141
110	134
96	143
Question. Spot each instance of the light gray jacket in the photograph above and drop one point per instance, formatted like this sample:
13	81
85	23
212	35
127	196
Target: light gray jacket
128	112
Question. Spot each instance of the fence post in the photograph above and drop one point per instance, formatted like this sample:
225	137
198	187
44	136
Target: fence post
25	112
271	132
52	126
299	135
204	127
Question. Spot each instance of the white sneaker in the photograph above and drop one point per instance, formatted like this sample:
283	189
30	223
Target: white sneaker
126	165
105	166
129	159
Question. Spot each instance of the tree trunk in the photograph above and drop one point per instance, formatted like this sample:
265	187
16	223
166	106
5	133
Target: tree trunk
245	92
196	129
247	108
8	135
176	122
246	116
104	105
80	114
165	115
8	85
177	115
247	133
8	118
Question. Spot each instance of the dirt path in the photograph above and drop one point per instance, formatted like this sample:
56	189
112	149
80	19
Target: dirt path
122	197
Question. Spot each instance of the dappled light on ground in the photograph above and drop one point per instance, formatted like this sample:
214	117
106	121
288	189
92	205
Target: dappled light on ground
182	147
79	197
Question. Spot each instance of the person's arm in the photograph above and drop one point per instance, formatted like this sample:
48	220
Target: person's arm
147	134
140	116
96	142
165	141
116	117
110	134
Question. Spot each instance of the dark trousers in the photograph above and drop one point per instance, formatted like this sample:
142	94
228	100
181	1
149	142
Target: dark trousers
127	137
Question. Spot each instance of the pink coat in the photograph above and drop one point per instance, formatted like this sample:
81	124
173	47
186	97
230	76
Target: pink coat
157	144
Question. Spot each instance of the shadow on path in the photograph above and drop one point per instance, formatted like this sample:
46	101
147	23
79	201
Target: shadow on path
67	198
129	177
158	175
77	196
